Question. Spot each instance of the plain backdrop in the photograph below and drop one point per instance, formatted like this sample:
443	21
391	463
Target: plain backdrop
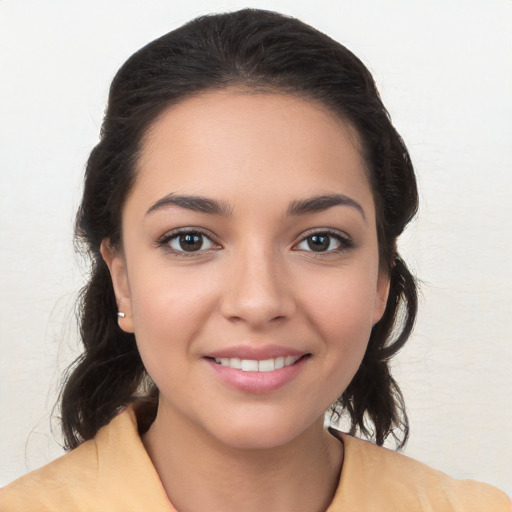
444	71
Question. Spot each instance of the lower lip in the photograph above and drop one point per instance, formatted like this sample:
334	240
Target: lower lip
256	382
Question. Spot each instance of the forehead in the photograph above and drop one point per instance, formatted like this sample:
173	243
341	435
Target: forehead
232	141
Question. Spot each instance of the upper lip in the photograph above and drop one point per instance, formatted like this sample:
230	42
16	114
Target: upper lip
259	353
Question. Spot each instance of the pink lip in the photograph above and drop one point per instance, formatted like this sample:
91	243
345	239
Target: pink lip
256	382
257	353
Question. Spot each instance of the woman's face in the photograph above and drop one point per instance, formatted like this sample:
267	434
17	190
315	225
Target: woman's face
249	271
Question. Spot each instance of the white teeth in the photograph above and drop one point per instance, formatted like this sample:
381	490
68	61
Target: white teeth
266	366
253	365
249	365
234	362
289	360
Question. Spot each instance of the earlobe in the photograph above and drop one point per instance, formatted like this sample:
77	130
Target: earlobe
119	275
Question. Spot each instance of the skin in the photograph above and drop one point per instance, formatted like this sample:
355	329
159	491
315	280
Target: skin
254	283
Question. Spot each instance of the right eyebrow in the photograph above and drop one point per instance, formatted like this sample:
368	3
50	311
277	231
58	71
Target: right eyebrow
195	203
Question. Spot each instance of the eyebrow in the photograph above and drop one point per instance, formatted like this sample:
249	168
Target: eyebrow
323	202
298	207
195	203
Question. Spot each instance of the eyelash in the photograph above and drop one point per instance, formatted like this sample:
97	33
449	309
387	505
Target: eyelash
344	242
165	241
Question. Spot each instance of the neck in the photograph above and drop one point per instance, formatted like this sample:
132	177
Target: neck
200	472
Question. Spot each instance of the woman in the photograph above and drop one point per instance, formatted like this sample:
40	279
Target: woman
241	212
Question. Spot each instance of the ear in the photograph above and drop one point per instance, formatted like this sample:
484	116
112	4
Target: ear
381	298
116	264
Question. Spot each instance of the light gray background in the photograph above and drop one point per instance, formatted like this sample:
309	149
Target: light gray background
444	71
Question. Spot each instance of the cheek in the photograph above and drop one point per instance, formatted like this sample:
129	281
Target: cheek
344	301
169	308
341	310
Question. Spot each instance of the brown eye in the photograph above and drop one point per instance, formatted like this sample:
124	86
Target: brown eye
190	241
325	242
319	243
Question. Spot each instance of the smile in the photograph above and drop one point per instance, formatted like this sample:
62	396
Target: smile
254	365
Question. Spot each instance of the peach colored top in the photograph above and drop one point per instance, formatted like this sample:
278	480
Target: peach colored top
113	473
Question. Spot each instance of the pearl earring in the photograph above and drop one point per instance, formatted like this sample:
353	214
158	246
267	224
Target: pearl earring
120	314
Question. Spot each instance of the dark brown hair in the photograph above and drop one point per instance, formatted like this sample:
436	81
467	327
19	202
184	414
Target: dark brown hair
252	49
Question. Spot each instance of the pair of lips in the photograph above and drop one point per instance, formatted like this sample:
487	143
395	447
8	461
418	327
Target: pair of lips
255	365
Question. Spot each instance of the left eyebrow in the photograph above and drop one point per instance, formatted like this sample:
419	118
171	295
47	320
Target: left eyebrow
323	202
195	203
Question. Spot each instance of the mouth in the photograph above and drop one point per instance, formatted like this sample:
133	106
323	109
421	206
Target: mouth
257	369
255	365
258	375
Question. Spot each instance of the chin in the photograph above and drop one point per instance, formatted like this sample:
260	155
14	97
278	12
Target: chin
263	433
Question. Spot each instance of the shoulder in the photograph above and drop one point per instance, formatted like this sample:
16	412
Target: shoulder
389	481
111	472
68	479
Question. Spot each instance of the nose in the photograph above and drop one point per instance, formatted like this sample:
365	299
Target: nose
257	290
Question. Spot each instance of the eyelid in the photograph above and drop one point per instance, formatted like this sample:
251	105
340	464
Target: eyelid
164	240
345	240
